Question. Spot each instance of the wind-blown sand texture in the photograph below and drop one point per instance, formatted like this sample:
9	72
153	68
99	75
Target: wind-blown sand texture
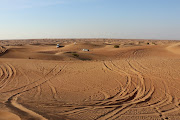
138	81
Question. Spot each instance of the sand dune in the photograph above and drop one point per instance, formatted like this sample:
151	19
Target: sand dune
133	82
175	48
8	116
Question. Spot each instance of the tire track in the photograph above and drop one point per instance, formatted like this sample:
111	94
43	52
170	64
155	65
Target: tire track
106	102
168	100
34	82
8	74
126	101
12	101
53	90
121	102
141	79
141	96
143	93
39	90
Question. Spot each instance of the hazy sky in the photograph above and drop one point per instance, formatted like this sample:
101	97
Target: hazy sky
151	19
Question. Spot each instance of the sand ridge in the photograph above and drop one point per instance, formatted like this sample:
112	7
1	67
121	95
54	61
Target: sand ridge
175	48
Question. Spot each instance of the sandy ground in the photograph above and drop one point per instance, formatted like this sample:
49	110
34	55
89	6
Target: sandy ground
138	81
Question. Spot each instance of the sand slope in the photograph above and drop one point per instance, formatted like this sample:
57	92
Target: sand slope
8	116
126	83
175	48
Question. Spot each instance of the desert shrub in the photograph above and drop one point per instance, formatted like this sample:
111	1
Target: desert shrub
75	54
154	43
116	46
148	43
71	52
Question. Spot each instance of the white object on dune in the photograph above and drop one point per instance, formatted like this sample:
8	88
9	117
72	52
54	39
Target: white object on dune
86	50
57	45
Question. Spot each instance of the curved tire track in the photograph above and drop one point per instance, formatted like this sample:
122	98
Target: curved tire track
12	101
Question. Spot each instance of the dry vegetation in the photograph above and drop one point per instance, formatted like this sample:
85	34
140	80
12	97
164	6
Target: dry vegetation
138	81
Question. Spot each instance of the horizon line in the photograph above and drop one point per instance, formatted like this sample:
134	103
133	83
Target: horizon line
90	38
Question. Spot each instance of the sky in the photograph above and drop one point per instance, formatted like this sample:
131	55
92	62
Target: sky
121	19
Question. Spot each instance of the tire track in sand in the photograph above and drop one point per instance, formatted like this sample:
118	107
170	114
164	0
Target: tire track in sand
167	100
139	97
53	90
122	102
32	83
12	101
8	73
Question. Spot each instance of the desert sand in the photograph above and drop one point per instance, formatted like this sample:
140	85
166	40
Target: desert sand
138	81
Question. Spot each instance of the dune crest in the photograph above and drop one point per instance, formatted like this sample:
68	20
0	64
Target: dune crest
175	48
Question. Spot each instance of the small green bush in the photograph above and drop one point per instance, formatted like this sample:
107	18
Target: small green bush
116	46
75	54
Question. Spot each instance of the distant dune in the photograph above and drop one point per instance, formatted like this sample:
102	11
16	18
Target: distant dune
114	80
175	48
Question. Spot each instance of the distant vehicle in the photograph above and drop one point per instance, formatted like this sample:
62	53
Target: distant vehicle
57	46
86	50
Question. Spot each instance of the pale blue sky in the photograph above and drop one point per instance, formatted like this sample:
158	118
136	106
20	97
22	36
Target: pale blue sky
134	19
